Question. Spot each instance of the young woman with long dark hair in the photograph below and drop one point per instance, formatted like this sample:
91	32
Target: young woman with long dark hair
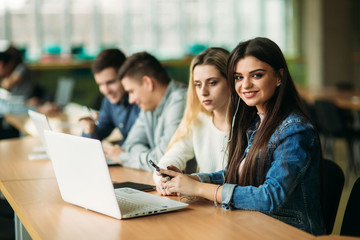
274	163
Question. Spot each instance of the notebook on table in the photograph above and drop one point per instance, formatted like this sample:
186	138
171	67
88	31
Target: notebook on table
84	180
41	123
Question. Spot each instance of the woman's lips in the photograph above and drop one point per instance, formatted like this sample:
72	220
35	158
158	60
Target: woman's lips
250	94
206	102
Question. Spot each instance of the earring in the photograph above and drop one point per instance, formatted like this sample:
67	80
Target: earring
278	83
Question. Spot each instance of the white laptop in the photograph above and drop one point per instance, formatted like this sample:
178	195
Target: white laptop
41	123
84	180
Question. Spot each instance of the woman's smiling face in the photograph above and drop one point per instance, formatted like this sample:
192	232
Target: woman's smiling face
255	82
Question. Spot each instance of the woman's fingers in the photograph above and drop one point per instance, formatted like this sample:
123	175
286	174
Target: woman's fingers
162	190
165	179
173	168
168	190
170	173
158	189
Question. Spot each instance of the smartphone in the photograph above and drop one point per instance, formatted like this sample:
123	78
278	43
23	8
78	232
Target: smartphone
135	185
154	165
157	168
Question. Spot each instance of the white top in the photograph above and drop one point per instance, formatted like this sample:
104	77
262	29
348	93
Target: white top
205	142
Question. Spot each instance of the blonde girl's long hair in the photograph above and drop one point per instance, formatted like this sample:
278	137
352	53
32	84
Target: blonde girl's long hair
216	57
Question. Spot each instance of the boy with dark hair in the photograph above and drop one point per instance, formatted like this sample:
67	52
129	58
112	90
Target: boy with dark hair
115	111
162	102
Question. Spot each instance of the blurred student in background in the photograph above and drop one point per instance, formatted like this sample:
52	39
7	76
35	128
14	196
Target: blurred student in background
274	163
202	132
18	85
115	111
162	104
14	74
18	90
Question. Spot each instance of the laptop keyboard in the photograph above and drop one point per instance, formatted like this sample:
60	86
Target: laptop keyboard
134	207
128	205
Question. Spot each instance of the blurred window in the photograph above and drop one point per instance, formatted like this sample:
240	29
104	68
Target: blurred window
167	29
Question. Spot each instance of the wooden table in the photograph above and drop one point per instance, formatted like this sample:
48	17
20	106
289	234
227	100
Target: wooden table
32	191
15	164
45	215
347	99
66	122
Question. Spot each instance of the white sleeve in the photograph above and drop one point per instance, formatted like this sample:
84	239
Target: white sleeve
178	155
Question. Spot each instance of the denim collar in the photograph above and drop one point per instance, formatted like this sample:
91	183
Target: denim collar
125	101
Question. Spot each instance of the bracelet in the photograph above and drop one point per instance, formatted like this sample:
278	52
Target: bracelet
215	201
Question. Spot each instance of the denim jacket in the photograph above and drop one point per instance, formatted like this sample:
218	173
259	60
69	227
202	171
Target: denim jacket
291	191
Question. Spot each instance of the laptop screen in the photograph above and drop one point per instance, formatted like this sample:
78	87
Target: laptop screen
64	91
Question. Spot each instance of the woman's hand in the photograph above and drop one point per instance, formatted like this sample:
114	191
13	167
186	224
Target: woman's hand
160	187
179	183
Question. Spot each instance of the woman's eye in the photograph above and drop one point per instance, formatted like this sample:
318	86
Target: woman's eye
237	77
212	83
258	75
197	84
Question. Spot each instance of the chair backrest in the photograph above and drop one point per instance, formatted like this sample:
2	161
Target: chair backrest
7	229
328	116
333	185
351	221
310	108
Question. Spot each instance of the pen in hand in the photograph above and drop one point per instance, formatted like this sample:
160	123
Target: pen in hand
91	115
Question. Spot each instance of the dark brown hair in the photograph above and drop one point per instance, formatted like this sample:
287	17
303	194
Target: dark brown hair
108	58
143	64
11	57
